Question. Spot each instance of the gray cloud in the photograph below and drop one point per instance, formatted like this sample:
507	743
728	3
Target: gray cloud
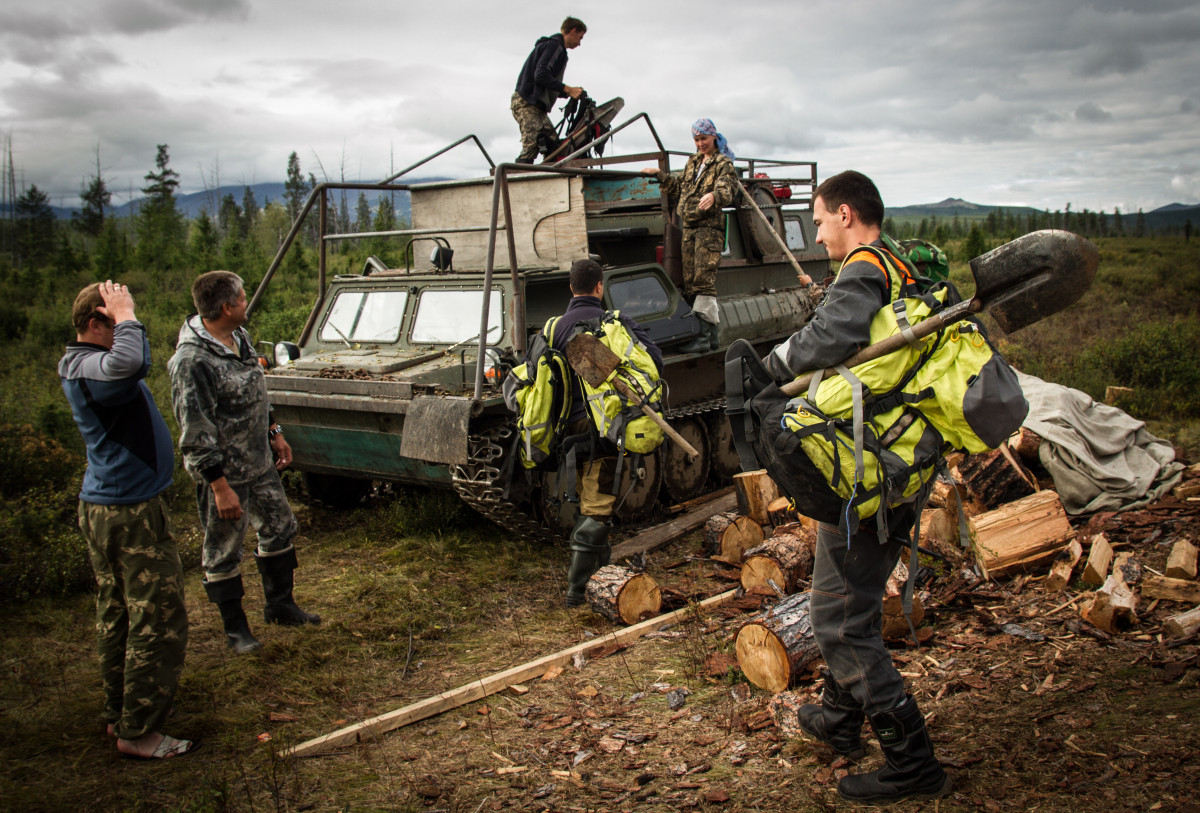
1092	112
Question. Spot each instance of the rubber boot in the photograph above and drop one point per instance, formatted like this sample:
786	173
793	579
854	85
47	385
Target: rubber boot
911	771
278	574
706	341
590	551
227	595
837	721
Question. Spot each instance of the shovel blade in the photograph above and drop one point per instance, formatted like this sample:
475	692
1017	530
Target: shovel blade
1034	276
591	360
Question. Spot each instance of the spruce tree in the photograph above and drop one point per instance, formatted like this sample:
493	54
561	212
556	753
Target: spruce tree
35	226
161	229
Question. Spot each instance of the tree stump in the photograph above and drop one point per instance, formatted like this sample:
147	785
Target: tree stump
755	491
774	648
781	512
995	478
728	536
784	560
621	594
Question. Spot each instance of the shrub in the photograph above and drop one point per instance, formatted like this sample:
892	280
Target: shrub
1157	360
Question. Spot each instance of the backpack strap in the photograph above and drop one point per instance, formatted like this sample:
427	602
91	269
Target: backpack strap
745	377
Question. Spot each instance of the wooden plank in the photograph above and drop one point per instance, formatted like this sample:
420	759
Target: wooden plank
497	682
660	535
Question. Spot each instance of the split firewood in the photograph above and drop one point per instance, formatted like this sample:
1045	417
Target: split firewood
1181	564
1021	534
940	525
781	511
784	560
728	536
1113	608
1129	567
774	648
1026	444
755	491
1099	559
1186	490
1184	624
624	595
995	478
895	625
1112	394
1064	565
1154	586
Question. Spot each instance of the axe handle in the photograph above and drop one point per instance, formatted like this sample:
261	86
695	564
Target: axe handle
892	343
658	419
800	275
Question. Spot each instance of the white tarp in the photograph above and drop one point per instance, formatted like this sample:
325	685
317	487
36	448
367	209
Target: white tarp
1101	458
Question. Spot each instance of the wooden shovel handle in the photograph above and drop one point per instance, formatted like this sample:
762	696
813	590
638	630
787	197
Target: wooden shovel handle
628	392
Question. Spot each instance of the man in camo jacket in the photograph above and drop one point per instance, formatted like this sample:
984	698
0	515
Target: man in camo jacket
234	451
141	620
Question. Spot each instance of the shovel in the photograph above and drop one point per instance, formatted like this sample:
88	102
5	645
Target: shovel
595	364
1018	283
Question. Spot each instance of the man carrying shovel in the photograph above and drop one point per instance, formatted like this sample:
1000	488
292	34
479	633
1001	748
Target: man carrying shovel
849	575
590	547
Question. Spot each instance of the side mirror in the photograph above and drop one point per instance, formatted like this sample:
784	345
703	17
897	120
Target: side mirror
442	258
285	353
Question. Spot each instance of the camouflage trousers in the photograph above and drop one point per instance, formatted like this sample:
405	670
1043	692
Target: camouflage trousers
701	252
535	124
141	618
264	505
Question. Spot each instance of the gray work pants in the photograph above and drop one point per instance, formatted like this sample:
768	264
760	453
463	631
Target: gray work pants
847	608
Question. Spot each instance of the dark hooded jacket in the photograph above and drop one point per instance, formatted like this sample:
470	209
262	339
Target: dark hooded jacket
541	79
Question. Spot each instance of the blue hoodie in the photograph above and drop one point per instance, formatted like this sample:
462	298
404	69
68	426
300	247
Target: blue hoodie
129	454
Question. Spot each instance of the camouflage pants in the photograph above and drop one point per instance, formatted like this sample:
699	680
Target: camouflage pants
701	252
595	478
141	618
264	505
534	123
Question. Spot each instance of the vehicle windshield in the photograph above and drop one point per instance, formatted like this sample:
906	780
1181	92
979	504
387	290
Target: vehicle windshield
359	316
447	317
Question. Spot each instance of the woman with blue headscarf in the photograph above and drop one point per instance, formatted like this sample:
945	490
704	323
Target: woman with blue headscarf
707	184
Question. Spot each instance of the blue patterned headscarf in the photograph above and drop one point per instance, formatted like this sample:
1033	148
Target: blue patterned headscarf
706	127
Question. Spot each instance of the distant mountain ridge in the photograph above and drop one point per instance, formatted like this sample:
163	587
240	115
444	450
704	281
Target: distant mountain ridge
1173	215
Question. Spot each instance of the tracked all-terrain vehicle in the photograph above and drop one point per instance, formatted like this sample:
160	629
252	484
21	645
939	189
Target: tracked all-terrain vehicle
396	376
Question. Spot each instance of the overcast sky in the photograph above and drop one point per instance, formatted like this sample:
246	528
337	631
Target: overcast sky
1000	102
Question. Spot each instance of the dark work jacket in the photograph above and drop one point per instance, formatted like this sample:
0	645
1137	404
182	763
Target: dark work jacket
541	79
581	309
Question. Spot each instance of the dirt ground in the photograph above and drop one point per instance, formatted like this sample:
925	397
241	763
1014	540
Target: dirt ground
1030	709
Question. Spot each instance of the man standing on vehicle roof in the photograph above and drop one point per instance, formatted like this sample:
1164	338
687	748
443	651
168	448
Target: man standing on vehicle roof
540	85
141	617
850	575
234	451
590	548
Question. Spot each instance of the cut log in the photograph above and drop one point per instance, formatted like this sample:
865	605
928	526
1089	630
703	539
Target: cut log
1184	624
785	711
624	595
1064	565
995	478
774	648
1098	561
784	560
1129	567
1020	535
1112	393
1170	589
782	512
1113	609
755	491
1181	564
728	536
1026	444
895	625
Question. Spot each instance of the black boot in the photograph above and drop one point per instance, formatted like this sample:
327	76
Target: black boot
837	721
227	595
706	341
590	551
911	772
278	579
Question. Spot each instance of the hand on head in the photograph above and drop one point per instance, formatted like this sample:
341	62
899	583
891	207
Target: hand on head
118	302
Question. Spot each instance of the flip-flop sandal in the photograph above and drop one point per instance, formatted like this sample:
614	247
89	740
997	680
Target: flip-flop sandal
168	748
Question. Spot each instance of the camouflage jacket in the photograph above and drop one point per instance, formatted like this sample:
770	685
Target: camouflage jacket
220	401
718	177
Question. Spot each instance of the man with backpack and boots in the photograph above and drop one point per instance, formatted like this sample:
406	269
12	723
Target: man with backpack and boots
590	546
234	451
540	85
851	570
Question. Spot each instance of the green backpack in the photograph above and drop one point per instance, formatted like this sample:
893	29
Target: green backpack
929	260
616	417
539	391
